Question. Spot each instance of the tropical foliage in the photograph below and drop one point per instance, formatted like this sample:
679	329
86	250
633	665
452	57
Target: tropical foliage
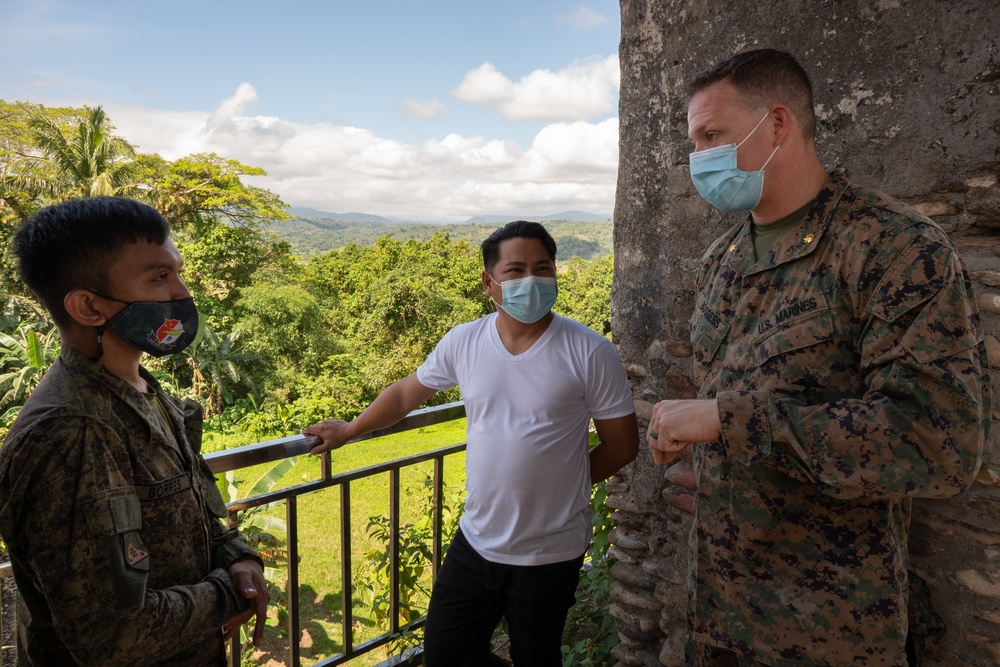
414	541
264	532
24	356
87	163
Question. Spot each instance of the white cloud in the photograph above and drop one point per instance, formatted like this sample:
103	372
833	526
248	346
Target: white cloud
235	106
426	109
338	168
567	151
583	18
585	89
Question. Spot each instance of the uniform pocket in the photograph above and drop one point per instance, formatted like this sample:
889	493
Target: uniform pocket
707	334
801	332
801	357
117	521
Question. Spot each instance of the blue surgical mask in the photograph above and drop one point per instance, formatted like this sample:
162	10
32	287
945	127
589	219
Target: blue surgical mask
527	299
724	185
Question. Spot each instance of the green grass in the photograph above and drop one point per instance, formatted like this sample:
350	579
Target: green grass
319	541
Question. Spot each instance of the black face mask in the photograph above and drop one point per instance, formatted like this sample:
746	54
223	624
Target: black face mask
155	327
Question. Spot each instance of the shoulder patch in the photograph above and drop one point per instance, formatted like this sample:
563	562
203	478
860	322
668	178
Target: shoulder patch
926	295
134	553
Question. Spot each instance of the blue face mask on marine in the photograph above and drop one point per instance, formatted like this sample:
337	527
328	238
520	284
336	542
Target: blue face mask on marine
527	299
724	185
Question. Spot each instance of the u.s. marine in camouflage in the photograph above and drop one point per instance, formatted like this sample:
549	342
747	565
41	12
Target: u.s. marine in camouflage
847	364
842	372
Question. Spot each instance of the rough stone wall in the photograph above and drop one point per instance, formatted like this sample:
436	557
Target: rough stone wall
908	101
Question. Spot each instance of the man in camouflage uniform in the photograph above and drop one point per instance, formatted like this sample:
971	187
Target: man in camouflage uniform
841	366
110	514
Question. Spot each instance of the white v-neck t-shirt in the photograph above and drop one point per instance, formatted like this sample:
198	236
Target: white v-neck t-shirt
527	463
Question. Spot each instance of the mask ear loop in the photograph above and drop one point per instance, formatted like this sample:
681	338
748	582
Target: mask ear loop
771	156
493	302
751	134
100	344
754	128
496	306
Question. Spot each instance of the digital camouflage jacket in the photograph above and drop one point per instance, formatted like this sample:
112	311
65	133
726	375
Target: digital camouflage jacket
849	368
113	526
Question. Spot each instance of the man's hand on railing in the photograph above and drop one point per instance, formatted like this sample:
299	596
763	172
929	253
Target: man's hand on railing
332	434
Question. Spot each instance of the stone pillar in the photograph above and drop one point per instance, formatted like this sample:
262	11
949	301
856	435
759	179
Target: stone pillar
908	101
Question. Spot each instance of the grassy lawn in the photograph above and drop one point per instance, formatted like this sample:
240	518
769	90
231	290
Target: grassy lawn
320	589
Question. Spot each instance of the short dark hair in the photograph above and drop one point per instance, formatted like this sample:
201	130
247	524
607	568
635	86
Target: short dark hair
72	245
765	77
513	230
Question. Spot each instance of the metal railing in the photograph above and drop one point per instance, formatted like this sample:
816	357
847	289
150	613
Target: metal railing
282	448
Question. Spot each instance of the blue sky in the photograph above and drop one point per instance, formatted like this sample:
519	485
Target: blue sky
425	110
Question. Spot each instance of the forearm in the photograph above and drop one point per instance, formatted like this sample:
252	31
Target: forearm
397	401
619	445
605	462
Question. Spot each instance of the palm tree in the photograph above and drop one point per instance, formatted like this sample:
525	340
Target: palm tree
89	163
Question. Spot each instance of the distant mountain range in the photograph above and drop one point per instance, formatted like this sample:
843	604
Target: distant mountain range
579	216
314	235
303	212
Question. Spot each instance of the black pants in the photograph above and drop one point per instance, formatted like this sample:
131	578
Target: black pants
472	594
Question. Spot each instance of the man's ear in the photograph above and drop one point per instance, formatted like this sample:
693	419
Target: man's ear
487	282
82	306
783	121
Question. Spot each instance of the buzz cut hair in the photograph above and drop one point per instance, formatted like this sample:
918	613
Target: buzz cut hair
73	245
765	77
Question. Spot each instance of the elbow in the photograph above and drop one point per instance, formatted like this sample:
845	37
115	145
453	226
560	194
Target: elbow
627	454
631	454
946	463
956	472
954	482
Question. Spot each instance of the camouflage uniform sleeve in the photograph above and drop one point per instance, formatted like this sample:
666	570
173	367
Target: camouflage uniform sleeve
920	427
228	546
79	523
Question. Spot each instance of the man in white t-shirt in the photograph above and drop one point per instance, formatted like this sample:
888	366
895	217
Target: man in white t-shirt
531	381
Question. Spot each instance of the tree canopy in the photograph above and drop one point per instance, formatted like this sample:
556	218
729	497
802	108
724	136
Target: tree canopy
298	339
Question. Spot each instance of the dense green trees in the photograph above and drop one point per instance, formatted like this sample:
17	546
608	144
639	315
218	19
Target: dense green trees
285	341
585	292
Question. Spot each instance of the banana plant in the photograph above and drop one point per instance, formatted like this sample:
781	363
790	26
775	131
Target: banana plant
25	355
